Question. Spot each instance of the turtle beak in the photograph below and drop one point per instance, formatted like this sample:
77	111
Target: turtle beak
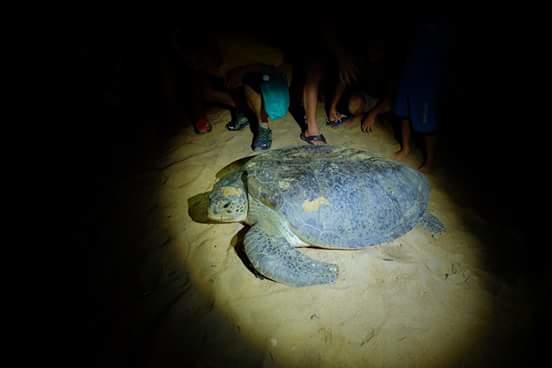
219	216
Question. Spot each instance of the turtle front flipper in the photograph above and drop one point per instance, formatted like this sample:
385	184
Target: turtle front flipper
277	260
432	224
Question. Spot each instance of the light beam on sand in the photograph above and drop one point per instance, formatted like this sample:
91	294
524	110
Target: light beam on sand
416	301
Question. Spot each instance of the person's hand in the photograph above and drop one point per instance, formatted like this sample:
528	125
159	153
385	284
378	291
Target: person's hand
368	123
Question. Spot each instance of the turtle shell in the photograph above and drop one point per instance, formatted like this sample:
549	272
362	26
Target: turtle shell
338	197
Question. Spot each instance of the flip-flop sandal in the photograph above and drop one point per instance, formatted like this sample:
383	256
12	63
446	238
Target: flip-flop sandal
202	126
263	139
313	138
238	123
335	123
338	122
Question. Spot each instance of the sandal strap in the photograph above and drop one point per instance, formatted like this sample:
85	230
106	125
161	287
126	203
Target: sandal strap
313	138
239	122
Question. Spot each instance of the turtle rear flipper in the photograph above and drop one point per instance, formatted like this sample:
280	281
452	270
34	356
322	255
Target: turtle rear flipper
432	224
277	260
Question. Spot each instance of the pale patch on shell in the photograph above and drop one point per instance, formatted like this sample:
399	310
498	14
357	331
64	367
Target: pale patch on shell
314	205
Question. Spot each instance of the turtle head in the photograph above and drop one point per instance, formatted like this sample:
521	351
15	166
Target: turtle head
228	199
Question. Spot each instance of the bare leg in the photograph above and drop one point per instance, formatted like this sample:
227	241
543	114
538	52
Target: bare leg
429	160
263	136
198	106
333	114
255	103
310	100
233	99
405	141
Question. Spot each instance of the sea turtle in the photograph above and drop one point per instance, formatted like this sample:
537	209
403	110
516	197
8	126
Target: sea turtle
322	196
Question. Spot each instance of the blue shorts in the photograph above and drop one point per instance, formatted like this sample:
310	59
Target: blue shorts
419	105
273	87
423	75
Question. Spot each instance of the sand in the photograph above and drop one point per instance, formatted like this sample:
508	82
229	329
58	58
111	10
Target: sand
418	301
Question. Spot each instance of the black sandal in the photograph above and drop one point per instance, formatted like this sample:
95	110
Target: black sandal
335	123
313	138
263	139
239	122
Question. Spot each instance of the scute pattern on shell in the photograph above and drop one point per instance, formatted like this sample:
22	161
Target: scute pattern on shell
338	197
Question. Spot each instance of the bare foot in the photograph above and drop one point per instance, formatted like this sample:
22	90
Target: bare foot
426	168
402	154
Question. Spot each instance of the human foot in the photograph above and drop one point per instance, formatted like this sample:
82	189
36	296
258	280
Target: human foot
315	139
238	122
402	154
426	167
335	119
312	134
263	139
